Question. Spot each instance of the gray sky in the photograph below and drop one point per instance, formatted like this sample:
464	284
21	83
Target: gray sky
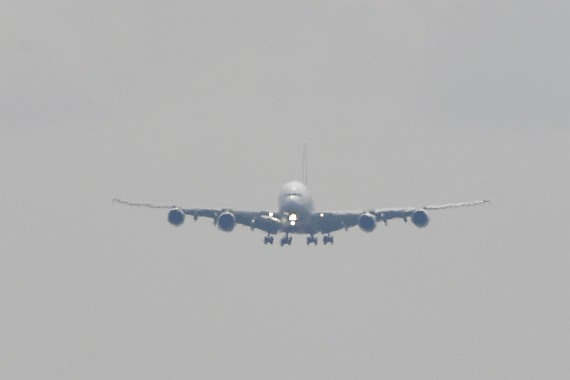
206	104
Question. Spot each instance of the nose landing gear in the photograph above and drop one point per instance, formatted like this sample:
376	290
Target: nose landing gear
328	239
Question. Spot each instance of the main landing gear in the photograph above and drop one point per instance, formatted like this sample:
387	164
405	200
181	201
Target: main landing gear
268	239
328	239
311	239
286	240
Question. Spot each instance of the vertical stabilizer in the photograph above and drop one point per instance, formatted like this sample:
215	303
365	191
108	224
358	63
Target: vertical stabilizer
305	174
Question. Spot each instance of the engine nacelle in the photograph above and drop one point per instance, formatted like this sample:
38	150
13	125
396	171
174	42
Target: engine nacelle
367	222
226	221
175	217
420	218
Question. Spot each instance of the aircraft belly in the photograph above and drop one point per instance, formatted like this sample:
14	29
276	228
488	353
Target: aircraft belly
301	229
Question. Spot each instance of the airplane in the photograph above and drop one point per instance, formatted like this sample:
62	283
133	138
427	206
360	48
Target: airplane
296	215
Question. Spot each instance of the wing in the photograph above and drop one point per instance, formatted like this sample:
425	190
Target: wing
405	213
330	221
225	219
326	222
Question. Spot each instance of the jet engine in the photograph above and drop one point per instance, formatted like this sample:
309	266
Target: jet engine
226	221
420	218
175	217
367	222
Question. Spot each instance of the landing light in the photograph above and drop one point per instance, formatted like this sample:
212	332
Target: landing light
293	219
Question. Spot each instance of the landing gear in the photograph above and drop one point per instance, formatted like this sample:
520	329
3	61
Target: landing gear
328	239
268	239
311	239
286	240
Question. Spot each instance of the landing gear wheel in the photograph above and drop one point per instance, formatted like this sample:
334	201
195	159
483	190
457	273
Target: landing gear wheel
286	240
268	239
311	239
328	239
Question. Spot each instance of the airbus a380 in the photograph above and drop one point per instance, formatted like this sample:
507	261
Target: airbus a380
296	215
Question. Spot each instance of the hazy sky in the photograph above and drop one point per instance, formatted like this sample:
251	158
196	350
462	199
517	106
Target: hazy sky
207	104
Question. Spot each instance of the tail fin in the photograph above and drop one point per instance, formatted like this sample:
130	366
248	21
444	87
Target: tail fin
305	174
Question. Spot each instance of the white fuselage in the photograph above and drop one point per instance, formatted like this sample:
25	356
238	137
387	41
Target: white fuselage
295	199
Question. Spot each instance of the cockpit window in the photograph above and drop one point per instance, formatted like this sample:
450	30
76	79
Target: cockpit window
294	194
